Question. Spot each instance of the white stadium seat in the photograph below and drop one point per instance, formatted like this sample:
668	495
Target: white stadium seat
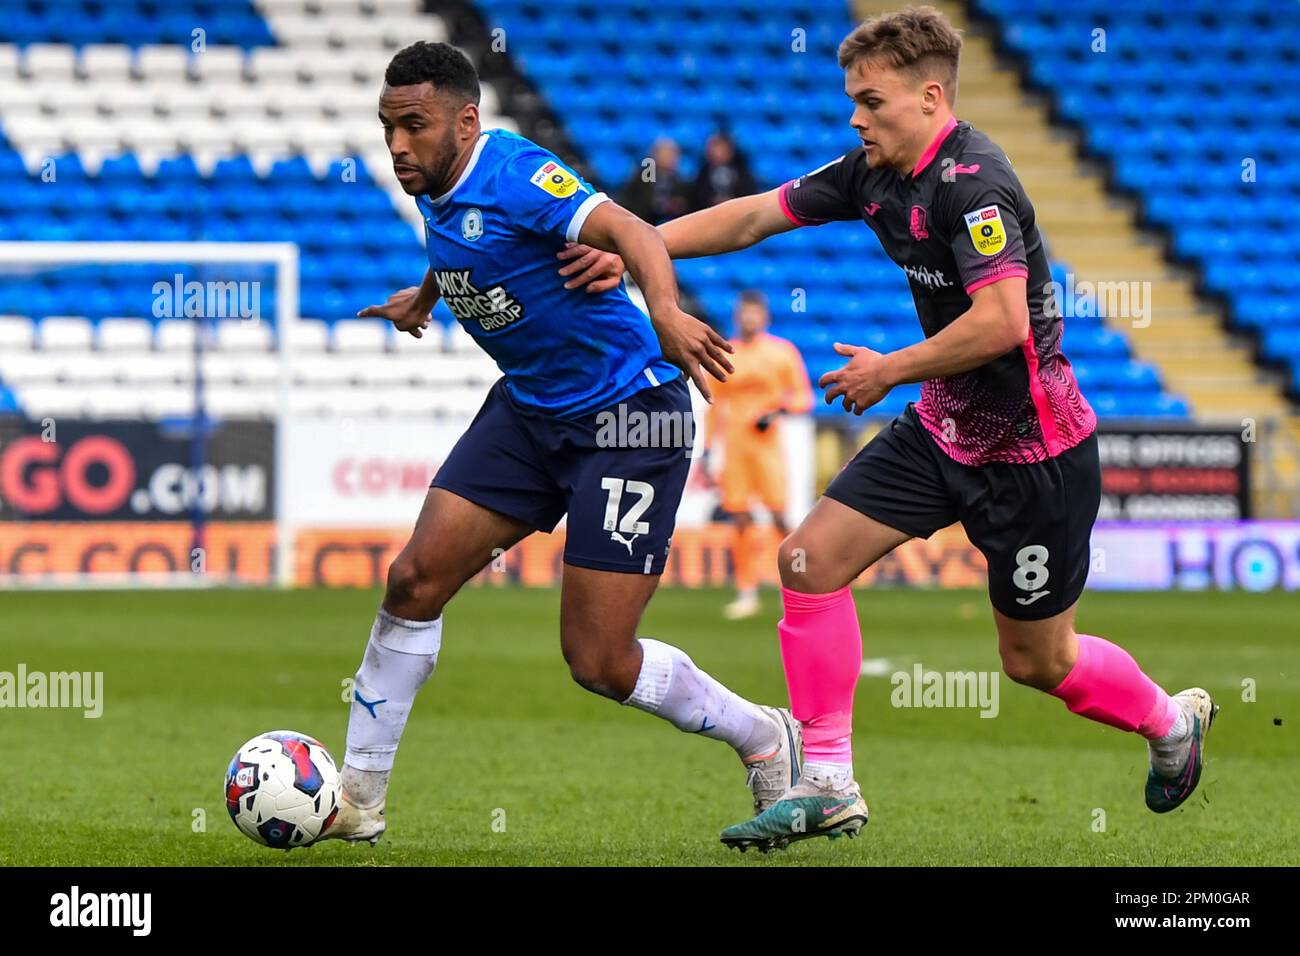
18	368
237	335
54	400
66	332
219	63
247	368
167	400
319	369
150	134
273	8
360	335
11	60
163	64
184	99
16	333
129	102
308	335
273	64
125	334
175	335
390	8
53	62
242	402
105	63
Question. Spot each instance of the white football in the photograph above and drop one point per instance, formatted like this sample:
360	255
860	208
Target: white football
282	789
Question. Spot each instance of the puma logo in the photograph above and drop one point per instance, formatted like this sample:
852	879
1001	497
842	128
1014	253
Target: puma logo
626	542
872	209
1032	598
959	168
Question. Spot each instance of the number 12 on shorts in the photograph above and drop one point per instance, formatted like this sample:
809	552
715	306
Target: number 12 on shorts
631	523
1031	572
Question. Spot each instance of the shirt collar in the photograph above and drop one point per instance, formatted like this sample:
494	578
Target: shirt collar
933	149
464	174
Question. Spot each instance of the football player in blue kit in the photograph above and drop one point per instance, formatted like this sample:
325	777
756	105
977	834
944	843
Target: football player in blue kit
497	208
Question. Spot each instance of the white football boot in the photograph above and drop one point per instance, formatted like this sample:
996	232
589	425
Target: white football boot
356	824
772	773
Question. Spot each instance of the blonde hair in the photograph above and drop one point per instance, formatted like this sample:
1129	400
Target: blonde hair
918	41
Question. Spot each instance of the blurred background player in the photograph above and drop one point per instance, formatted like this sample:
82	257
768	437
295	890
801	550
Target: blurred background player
770	381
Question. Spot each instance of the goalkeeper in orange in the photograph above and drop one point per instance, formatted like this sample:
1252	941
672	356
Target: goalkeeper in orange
770	381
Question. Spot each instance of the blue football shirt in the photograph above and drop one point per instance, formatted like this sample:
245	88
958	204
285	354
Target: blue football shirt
492	240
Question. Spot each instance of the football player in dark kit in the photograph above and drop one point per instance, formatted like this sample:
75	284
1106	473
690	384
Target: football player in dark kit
1001	440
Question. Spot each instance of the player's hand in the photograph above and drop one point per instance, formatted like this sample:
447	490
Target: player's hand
693	347
599	271
403	309
862	382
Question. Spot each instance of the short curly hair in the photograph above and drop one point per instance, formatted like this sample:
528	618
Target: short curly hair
438	63
919	41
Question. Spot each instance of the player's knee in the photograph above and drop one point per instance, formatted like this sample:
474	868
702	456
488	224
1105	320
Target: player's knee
607	673
413	592
796	572
1024	666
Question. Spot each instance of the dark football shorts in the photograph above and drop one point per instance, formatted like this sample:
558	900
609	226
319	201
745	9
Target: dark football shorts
1032	522
618	473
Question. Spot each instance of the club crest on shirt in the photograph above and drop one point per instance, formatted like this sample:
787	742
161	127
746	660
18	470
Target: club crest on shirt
471	224
986	230
916	223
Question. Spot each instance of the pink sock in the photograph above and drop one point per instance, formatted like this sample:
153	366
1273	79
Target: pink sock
821	647
1106	685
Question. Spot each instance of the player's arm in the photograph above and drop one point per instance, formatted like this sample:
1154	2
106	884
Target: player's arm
735	224
824	195
996	323
685	341
408	309
978	215
727	227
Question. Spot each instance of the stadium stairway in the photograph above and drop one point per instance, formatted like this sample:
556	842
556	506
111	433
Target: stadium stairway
1096	233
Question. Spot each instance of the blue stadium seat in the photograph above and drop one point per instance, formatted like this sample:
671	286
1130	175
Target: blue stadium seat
1201	64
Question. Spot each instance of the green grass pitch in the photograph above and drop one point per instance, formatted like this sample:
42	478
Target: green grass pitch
507	762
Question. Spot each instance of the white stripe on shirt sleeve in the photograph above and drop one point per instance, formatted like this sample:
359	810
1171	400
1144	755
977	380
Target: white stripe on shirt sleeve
580	217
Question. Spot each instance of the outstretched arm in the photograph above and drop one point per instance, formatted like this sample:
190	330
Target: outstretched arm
684	340
732	225
727	227
408	309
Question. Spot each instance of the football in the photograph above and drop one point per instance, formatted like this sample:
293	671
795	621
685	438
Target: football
282	789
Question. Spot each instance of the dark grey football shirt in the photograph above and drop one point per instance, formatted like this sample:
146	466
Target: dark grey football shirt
960	221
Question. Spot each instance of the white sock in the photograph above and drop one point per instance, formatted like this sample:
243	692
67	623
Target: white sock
1176	733
399	658
672	687
838	775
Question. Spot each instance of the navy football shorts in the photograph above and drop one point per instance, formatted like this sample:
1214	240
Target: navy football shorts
618	473
1032	522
